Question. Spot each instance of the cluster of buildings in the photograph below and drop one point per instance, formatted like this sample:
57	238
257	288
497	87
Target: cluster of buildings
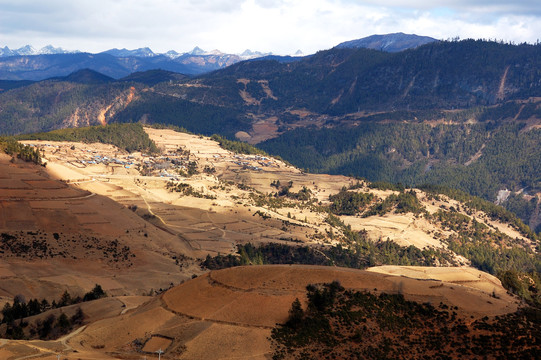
246	161
99	159
169	165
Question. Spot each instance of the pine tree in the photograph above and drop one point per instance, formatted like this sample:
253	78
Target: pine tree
296	315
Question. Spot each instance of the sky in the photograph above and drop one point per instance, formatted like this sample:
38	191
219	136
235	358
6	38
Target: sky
278	26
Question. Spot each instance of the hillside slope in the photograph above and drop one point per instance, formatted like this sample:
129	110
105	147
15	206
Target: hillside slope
142	223
230	313
341	81
56	238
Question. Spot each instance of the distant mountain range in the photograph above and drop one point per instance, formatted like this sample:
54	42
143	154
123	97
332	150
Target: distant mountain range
29	50
389	42
28	63
172	54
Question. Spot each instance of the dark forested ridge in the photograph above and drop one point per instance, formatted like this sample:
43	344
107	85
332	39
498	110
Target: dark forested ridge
476	158
59	103
434	76
153	108
153	77
13	84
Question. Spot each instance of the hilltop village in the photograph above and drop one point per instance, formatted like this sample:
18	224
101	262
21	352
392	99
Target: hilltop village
173	163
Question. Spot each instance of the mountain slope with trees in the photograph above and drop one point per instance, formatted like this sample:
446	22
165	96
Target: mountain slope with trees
434	76
464	114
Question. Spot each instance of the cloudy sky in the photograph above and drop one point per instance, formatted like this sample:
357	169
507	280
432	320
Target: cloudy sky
279	26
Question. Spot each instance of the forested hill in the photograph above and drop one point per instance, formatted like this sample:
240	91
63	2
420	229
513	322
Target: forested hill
340	81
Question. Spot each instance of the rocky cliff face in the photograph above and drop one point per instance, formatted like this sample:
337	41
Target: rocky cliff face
99	112
535	218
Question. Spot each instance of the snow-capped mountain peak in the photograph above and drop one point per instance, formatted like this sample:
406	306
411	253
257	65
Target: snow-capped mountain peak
50	50
29	50
172	54
5	51
141	52
144	52
197	51
25	50
249	54
215	52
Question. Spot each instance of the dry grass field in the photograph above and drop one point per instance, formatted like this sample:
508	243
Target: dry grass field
229	313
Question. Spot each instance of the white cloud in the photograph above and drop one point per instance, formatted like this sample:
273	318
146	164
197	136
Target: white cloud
280	26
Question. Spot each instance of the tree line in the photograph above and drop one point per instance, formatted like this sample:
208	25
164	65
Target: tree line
14	315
